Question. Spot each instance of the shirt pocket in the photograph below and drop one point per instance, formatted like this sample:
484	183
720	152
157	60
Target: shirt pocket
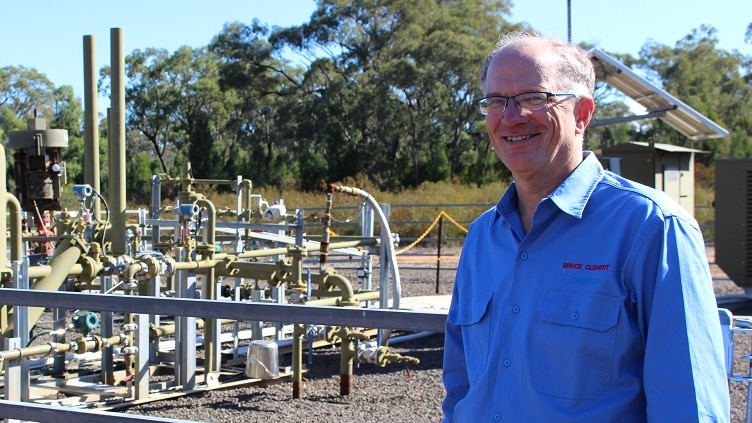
472	315
573	344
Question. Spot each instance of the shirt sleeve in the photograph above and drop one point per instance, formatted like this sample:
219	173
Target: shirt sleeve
684	369
454	374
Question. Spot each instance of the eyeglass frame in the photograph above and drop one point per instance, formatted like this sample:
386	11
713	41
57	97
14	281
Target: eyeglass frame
549	95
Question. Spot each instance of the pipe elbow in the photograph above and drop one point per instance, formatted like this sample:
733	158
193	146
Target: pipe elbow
347	293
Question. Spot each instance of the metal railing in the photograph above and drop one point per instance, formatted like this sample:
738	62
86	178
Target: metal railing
431	321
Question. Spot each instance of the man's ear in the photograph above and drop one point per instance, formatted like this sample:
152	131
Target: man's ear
584	113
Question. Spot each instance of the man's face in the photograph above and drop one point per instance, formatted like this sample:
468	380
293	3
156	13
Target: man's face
540	143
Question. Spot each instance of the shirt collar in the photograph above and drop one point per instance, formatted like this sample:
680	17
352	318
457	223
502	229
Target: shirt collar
570	197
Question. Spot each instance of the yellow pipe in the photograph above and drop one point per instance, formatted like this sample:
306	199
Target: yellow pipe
166	330
3	224
336	301
116	144
16	227
283	250
82	345
91	116
43	270
297	360
347	357
6	273
65	257
347	294
212	360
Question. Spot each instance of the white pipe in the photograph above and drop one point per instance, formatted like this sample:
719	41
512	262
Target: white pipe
386	238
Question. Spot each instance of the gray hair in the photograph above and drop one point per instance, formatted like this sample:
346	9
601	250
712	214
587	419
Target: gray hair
574	67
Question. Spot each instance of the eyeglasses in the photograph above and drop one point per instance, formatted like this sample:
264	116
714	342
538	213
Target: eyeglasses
525	102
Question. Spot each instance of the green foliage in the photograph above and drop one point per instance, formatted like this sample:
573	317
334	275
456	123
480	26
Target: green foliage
709	80
73	156
381	93
138	178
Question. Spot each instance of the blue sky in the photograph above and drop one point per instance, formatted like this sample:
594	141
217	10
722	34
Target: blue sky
48	34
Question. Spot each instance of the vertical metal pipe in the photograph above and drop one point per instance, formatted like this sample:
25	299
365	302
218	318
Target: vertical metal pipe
297	360
327	221
212	358
3	223
438	253
91	115
5	315
117	142
16	227
346	366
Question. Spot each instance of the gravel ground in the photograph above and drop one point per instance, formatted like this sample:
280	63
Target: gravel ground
395	393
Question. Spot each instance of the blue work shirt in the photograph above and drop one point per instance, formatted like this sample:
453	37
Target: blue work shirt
603	312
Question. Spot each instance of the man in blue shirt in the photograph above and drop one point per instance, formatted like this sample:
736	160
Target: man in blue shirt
582	296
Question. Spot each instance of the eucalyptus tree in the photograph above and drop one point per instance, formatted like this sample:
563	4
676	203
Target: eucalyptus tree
396	80
260	89
27	93
24	91
710	80
435	64
167	97
67	113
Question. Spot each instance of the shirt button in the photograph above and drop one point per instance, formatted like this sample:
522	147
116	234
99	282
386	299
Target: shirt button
497	417
575	315
507	362
515	309
523	256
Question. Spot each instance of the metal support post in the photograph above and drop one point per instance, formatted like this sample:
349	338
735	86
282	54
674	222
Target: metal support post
278	296
366	230
21	325
185	341
154	291
107	375
142	356
58	361
13	374
742	326
257	295
384	273
438	253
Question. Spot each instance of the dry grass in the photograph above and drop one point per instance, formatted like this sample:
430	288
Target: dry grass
412	210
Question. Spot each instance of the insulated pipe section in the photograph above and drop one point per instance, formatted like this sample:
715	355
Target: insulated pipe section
386	234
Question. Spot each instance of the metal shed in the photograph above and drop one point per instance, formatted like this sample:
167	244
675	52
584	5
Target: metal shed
669	168
666	167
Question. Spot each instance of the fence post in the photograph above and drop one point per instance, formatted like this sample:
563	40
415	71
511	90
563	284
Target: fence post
438	252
